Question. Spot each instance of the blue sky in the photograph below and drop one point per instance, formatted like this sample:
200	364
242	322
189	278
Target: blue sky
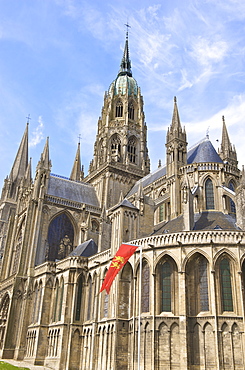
58	57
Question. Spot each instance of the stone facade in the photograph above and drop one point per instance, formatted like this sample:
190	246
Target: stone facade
58	236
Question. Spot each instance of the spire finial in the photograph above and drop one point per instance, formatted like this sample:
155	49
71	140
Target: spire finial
28	118
207	132
223	118
175	99
128	26
79	138
126	63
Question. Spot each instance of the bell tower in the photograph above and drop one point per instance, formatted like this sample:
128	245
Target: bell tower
120	150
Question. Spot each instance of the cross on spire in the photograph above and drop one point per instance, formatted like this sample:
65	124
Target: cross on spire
79	137
128	26
28	118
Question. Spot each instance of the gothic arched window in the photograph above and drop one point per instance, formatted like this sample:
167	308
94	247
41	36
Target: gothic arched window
131	111
60	237
232	203
4	308
60	300
89	298
119	109
125	292
161	212
225	285
116	149
197	285
145	287
132	149
209	194
79	298
166	286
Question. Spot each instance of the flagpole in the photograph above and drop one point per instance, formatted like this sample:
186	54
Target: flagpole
139	304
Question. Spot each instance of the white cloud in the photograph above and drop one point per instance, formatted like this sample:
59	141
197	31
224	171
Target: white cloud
37	134
207	52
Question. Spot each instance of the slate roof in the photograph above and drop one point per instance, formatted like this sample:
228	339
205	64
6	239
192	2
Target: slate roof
72	190
86	249
202	221
124	203
203	151
214	221
148	179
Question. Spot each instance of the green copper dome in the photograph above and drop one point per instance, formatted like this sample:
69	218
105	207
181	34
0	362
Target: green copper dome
123	84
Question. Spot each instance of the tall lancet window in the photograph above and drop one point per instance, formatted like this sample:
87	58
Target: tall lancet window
226	290
131	111
119	109
116	149
165	284
209	194
197	285
132	149
232	204
145	287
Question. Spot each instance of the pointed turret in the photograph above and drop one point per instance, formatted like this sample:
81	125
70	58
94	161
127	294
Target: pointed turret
176	153
176	141
42	172
45	155
21	160
76	173
18	170
227	152
175	125
28	177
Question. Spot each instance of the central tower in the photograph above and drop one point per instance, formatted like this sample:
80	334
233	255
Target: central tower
120	150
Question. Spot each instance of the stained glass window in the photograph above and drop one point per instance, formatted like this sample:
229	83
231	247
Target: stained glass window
226	291
166	285
145	307
60	237
203	284
89	290
209	193
79	299
232	204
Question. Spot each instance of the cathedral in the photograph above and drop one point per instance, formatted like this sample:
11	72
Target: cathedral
178	303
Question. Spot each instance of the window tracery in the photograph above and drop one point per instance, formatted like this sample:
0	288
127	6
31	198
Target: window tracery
131	111
116	149
132	149
119	109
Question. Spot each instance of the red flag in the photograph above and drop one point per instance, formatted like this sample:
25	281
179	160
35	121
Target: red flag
120	259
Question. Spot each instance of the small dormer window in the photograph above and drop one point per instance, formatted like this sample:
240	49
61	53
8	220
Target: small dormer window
119	109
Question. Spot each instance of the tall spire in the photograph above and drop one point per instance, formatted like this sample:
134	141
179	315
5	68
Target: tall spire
76	169
227	152
45	154
175	119
21	160
225	144
126	62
